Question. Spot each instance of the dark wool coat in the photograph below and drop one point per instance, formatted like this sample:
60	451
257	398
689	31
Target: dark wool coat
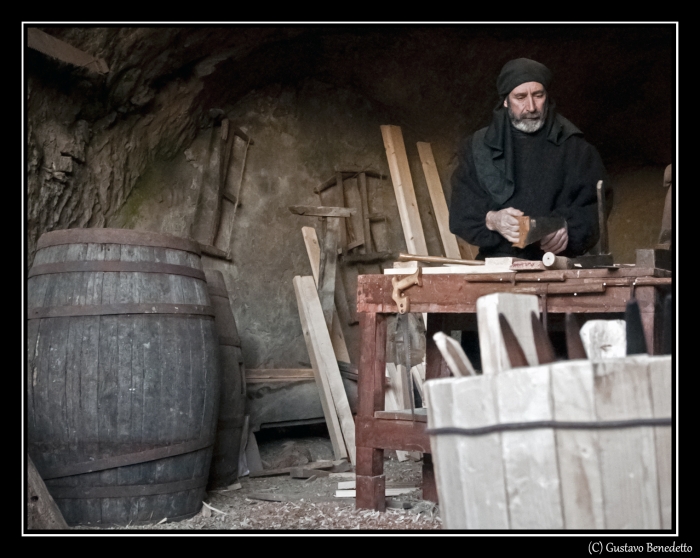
552	172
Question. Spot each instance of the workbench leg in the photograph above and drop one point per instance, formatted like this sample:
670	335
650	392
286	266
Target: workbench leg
435	367
650	307
369	478
370	483
429	486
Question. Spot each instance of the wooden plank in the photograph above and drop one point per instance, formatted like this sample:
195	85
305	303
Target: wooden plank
42	511
660	377
387	492
56	48
627	456
604	339
333	397
403	189
278	373
350	485
579	467
437	197
457	360
401	434
516	308
440	260
469	470
530	458
364	205
336	331
322	211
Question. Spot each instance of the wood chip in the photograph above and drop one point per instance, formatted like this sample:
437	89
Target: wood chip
213	508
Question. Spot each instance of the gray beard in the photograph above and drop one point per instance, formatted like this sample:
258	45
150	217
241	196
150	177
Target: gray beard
527	125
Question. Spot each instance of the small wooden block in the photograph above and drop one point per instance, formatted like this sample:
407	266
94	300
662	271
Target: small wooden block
524	229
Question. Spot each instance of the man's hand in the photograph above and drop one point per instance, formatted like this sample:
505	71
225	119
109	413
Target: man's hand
505	222
555	242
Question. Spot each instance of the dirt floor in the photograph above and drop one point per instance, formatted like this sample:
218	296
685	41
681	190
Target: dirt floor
282	503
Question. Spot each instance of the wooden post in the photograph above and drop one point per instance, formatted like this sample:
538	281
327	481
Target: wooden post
371	482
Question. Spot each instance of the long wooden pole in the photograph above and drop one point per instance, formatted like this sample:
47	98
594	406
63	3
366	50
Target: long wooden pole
437	259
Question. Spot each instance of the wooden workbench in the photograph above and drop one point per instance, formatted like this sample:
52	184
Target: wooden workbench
444	297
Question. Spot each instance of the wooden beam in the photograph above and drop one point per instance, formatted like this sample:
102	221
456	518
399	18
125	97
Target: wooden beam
437	197
328	267
364	204
56	48
314	252
403	189
325	368
322	211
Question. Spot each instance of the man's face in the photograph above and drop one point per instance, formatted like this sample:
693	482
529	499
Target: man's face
527	106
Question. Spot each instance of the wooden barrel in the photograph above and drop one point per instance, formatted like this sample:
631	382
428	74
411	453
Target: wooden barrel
122	375
575	444
224	464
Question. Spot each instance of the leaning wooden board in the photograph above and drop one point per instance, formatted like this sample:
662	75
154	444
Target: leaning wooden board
403	188
325	366
437	197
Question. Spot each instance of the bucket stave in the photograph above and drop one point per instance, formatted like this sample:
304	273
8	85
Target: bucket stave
123	372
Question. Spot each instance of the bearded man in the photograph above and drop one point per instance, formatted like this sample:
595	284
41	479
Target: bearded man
529	161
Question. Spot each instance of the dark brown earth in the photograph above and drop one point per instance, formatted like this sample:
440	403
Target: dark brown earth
308	505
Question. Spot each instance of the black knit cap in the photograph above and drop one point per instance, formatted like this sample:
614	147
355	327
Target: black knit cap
519	71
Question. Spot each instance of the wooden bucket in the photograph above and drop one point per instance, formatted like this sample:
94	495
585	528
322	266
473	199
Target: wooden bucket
572	445
122	375
224	464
